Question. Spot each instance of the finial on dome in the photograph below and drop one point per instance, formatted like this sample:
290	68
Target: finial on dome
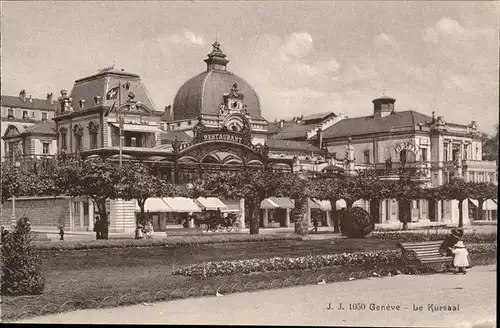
216	59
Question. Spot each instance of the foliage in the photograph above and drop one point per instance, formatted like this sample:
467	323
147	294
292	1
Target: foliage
289	263
16	181
355	222
410	236
490	146
22	272
171	241
139	182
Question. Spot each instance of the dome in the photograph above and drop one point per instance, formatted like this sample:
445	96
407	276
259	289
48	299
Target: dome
204	93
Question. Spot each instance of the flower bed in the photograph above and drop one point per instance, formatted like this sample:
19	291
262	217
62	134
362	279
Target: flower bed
409	236
217	268
171	241
292	263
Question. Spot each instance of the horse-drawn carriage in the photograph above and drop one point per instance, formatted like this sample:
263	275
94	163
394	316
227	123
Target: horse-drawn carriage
219	221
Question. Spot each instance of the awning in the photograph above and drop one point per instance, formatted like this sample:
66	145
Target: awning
324	205
277	202
233	205
182	204
154	205
138	128
488	205
211	203
312	204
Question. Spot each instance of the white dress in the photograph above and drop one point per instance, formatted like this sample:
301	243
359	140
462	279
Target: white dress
460	259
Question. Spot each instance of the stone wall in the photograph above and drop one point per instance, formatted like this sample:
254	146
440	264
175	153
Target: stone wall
42	211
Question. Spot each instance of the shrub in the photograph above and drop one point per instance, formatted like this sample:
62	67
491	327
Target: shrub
292	263
22	272
416	236
170	241
355	223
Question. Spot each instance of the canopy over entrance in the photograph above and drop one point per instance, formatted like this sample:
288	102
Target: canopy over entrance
488	205
211	203
277	202
182	204
154	204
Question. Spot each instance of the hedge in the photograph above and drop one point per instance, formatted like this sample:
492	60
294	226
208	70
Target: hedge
407	236
218	268
170	241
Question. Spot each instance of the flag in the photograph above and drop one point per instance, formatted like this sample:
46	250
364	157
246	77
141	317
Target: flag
110	109
112	93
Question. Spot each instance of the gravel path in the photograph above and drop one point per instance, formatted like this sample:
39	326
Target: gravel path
402	296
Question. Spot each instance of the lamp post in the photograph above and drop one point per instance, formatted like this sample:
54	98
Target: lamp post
120	125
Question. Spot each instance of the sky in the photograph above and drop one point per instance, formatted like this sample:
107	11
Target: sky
300	57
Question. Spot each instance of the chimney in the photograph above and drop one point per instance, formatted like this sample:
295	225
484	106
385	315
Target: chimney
82	103
383	106
22	95
49	98
168	112
282	123
30	99
320	137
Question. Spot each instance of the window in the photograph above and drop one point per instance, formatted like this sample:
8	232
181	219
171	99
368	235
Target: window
446	152
44	117
78	133
334	155
466	153
189	122
45	148
178	123
93	140
133	141
93	131
366	155
25	114
424	154
402	156
63	140
10	113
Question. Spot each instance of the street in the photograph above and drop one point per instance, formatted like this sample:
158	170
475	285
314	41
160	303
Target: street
443	300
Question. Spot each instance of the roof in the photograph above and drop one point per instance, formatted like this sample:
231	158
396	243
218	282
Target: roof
296	131
42	128
204	93
318	117
17	102
169	136
274	127
100	84
290	145
370	124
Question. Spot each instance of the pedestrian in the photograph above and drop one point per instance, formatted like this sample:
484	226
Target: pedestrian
315	223
461	257
138	232
450	240
149	230
61	233
97	228
5	232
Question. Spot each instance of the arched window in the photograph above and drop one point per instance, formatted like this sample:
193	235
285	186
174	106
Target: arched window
78	133
63	133
402	156
93	131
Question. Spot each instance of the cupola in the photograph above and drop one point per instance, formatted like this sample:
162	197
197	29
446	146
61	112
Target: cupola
383	106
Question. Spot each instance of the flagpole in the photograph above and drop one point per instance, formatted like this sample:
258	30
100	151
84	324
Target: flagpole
120	119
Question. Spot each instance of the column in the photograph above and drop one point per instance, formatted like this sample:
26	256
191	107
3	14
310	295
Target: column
81	215
91	215
265	222
71	219
383	211
328	219
287	218
191	222
308	216
242	213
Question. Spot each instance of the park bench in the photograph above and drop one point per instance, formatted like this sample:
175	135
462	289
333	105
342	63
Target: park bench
424	255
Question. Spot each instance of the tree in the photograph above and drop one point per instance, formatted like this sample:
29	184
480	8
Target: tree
94	178
328	189
482	191
490	146
460	190
139	182
406	190
22	272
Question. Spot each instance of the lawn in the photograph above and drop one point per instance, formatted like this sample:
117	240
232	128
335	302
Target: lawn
94	274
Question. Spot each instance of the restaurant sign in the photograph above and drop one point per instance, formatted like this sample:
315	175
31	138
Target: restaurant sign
409	146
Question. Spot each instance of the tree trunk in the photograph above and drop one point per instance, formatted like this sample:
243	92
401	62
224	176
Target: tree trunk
349	204
300	217
403	209
460	213
254	217
140	219
335	218
480	203
103	218
374	212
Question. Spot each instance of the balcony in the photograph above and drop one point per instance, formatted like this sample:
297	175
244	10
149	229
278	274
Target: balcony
480	165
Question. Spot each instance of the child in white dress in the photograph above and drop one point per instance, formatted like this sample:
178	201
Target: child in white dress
461	257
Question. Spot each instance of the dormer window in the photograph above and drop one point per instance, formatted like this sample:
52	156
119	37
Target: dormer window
25	114
10	113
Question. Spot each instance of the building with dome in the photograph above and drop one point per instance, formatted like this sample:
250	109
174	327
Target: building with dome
215	124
